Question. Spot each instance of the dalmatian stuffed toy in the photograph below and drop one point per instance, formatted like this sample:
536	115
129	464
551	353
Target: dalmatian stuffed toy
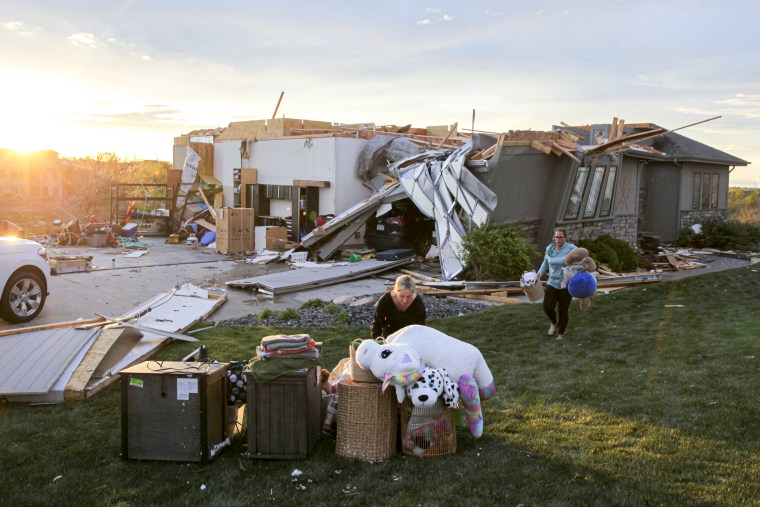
429	428
400	362
433	384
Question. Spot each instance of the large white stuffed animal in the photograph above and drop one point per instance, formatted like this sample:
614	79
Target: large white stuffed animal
413	347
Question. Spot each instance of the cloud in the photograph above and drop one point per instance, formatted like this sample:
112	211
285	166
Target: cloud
82	39
446	17
13	25
424	22
148	117
434	10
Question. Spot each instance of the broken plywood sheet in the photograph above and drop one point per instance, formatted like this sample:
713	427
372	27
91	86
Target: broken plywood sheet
312	278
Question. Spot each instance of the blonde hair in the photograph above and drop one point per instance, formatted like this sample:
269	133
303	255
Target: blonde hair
404	282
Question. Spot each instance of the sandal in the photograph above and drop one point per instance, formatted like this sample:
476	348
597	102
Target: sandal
552	329
560	337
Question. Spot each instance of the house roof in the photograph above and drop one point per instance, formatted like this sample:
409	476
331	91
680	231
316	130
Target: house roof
666	145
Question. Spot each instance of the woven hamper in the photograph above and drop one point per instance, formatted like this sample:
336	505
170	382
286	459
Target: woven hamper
367	421
358	374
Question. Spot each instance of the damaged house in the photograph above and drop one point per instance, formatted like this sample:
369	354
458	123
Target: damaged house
615	179
624	180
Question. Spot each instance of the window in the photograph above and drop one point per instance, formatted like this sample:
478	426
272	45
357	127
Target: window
696	190
595	199
593	195
705	201
574	204
704	190
713	190
609	191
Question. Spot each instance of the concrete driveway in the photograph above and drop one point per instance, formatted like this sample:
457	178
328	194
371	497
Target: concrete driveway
116	283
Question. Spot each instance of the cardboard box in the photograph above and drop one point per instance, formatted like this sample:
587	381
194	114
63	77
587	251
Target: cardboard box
276	237
235	231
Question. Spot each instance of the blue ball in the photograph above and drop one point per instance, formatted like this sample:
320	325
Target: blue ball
582	285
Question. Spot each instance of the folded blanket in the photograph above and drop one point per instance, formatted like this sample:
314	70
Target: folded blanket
264	370
286	342
310	353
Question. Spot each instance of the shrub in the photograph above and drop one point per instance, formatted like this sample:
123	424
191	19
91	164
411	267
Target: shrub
289	314
266	313
496	252
723	235
343	318
332	308
617	254
313	303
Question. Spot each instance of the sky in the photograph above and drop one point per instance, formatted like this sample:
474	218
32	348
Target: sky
127	76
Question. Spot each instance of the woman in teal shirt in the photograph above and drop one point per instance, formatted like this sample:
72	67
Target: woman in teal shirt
554	295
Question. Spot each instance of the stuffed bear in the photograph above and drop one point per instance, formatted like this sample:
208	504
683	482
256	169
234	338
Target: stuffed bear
463	362
579	276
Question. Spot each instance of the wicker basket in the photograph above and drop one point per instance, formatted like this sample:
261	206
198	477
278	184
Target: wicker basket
428	432
367	421
535	293
358	374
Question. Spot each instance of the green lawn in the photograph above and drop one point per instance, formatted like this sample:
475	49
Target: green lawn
654	399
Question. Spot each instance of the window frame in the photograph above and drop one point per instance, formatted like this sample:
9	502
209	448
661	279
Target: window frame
596	197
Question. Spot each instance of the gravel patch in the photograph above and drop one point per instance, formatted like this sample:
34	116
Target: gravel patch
353	314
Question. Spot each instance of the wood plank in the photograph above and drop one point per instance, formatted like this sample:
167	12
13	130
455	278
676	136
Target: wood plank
613	130
419	276
75	387
540	147
566	152
495	299
57	325
485	153
621	126
453	129
205	224
311	183
672	260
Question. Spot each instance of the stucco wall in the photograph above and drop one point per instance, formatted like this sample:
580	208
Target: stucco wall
280	161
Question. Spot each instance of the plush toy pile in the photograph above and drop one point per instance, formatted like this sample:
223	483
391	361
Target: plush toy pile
579	276
403	359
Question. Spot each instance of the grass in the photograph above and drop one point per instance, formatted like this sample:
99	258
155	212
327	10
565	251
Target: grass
652	400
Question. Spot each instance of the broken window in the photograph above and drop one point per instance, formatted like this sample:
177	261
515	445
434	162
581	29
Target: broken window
609	191
574	203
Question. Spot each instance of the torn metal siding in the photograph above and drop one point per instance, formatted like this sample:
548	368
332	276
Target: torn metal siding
32	362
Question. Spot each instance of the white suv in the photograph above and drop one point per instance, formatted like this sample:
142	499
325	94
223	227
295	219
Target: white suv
24	277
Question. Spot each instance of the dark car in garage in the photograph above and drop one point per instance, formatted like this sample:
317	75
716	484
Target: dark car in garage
403	226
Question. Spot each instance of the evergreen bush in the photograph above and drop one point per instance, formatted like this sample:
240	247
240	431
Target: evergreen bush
496	252
617	254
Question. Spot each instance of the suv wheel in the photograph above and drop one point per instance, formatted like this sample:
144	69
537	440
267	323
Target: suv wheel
23	297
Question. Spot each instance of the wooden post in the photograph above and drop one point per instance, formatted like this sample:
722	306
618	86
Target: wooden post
274	115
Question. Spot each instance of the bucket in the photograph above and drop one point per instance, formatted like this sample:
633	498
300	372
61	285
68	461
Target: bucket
192	242
97	240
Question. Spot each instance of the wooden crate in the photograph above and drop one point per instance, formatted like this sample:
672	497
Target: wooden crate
173	411
284	415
